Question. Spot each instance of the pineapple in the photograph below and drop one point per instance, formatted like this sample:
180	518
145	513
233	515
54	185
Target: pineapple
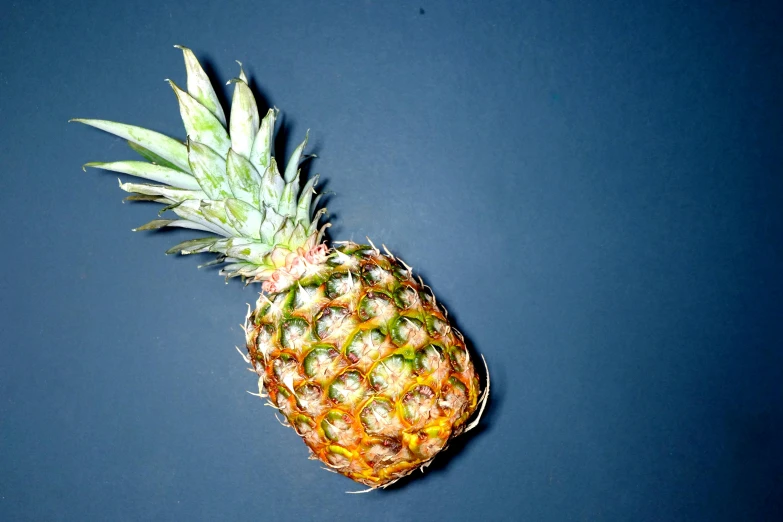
351	348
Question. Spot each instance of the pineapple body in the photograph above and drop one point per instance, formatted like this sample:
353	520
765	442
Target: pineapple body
364	365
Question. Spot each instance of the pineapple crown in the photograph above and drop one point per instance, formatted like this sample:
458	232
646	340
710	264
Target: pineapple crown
224	180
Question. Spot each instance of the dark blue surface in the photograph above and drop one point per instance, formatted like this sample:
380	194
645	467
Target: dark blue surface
595	189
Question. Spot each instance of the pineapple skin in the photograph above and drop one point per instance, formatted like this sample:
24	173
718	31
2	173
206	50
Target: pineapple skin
364	365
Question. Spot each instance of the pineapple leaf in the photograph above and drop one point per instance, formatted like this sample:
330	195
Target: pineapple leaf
191	211
174	194
200	87
272	185
209	169
200	124
215	212
261	153
287	206
292	166
283	236
142	169
244	120
243	179
303	208
192	243
244	217
271	224
253	252
154	158
142	197
160	144
155	224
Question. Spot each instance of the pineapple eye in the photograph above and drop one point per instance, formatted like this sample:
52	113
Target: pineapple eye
294	333
416	404
364	346
348	388
436	327
319	362
340	284
307	394
375	304
459	358
336	423
375	275
305	297
330	320
429	359
406	297
377	415
303	424
407	330
382	451
390	374
453	396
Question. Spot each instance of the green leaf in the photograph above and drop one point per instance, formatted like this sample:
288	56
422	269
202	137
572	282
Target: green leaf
283	236
271	224
200	87
174	194
191	211
215	213
244	120
303	208
292	166
271	185
209	169
253	252
154	158
161	145
261	153
201	125
191	244
244	217
155	224
142	169
244	179
287	206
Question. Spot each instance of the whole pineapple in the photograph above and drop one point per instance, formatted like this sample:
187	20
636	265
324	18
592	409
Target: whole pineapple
353	351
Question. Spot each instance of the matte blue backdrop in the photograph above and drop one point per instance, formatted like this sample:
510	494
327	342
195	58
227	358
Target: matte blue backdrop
594	189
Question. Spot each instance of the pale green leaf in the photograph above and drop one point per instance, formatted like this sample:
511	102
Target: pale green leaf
292	166
192	243
244	217
154	158
303	207
244	179
215	212
244	122
200	87
201	125
191	210
283	236
287	206
142	169
174	194
160	144
155	224
271	185
261	153
209	169
253	252
271	224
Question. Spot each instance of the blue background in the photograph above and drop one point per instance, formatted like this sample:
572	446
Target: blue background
593	188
